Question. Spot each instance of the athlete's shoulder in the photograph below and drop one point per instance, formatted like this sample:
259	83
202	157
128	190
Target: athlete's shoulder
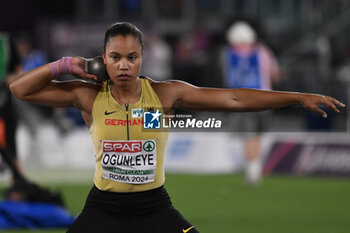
170	91
168	84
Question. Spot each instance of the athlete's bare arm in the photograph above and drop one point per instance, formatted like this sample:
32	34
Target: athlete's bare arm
183	95
37	87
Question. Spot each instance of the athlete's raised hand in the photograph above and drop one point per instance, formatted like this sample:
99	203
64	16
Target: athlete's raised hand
37	85
78	68
313	102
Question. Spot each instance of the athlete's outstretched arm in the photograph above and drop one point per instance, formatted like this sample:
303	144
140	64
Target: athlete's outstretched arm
194	98
36	86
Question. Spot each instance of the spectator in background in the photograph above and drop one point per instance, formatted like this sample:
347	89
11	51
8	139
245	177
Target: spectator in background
36	115
21	189
31	58
191	57
64	119
249	64
10	68
158	58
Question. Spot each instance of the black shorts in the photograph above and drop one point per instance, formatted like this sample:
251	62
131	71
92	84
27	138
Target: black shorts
148	212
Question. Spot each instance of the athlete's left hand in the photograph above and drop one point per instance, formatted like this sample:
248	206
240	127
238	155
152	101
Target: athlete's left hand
313	101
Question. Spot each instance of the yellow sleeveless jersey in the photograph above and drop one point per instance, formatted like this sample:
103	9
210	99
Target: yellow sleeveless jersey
128	158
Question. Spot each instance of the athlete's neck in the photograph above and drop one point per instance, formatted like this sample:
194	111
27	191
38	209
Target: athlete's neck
127	92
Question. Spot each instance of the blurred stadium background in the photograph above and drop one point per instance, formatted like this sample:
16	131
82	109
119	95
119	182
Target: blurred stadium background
307	167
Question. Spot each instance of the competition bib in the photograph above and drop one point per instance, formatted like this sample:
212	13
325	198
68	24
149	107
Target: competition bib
132	161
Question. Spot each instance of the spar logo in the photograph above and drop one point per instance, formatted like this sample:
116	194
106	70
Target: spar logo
123	147
151	120
149	146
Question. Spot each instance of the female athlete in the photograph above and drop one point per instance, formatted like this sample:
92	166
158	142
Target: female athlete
128	193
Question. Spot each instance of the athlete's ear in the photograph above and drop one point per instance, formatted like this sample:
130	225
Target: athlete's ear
104	56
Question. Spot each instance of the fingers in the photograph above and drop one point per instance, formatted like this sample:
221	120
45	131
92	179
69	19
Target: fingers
332	103
80	72
312	103
332	106
320	112
335	101
90	76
